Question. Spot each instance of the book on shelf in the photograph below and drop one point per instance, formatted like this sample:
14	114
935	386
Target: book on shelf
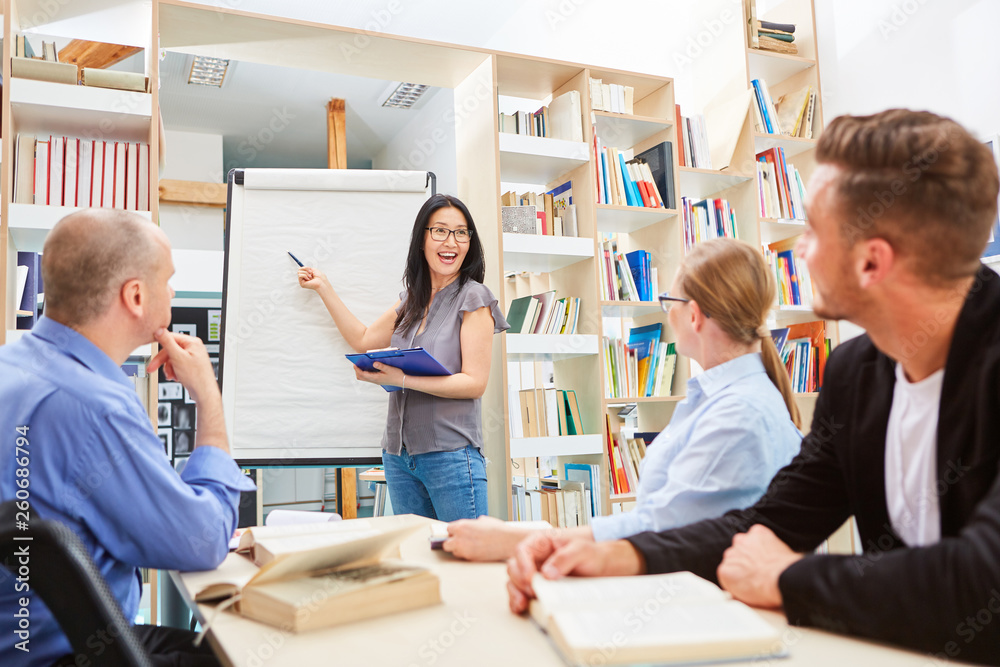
117	80
552	216
707	219
278	569
780	188
43	70
29	287
626	276
790	272
546	412
623	180
552	504
69	171
625	455
793	115
692	133
611	97
642	367
589	475
694	621
659	160
543	314
560	119
804	350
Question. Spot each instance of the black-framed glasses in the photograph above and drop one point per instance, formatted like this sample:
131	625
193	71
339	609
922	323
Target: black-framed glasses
441	234
666	299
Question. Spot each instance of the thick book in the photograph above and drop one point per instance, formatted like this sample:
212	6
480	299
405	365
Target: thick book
106	78
412	361
303	577
692	621
43	70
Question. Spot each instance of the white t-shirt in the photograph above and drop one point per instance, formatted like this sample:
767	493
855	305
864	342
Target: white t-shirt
911	459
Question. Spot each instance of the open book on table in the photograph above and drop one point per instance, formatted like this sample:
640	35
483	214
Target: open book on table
665	618
316	575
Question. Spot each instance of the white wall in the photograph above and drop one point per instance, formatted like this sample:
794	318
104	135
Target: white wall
427	143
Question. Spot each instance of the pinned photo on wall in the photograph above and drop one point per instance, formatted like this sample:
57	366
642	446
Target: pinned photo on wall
992	251
171	391
215	366
189	329
163	411
187	397
179	463
183	442
184	416
214	325
166	439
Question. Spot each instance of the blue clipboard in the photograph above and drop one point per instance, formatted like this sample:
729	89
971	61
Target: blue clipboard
414	361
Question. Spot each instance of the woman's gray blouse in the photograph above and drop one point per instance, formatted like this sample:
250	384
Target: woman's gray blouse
426	423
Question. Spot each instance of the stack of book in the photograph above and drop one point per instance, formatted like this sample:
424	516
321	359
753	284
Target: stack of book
552	213
780	189
626	276
640	367
561	119
804	349
562	503
794	114
544	413
624	456
543	314
66	171
692	140
707	219
790	272
767	35
611	97
624	181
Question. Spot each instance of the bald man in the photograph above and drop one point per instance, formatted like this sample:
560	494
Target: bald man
93	460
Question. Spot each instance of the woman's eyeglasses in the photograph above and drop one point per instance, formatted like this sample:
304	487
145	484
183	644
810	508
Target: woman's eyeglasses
441	234
666	299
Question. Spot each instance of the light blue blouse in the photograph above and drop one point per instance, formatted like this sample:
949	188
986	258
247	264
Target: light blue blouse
725	442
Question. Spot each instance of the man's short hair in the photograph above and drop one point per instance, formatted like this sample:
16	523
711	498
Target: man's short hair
918	180
87	258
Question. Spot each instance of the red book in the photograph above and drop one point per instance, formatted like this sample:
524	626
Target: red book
678	130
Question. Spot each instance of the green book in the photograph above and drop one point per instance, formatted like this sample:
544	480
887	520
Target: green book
519	308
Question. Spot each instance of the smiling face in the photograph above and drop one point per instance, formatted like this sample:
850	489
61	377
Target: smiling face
445	258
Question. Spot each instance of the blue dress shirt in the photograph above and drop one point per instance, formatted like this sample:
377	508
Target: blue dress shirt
725	442
96	465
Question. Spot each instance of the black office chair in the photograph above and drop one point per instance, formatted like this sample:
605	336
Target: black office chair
66	579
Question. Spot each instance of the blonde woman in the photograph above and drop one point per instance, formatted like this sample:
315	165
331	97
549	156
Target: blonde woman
737	426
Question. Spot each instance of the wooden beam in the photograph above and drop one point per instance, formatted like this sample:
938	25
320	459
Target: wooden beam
348	489
193	193
336	134
95	54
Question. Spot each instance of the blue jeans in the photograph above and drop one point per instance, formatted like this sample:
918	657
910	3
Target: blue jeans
440	485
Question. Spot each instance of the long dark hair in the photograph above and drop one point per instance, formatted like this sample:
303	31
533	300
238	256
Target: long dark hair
417	277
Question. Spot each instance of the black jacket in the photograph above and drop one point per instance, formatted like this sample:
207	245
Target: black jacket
943	599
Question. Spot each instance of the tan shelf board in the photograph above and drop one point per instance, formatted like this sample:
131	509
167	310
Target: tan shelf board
783	221
702	183
774	67
629	308
627	219
791	145
560	445
645	399
532	78
624	131
550	347
623	498
807	394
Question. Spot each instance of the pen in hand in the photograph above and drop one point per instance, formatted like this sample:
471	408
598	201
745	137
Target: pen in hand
296	259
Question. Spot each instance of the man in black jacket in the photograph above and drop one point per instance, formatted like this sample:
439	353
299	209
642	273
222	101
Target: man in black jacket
906	431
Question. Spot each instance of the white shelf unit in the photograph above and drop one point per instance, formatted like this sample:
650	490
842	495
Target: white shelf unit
563	445
42	107
550	347
629	309
626	219
624	130
542	254
701	183
525	159
30	224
